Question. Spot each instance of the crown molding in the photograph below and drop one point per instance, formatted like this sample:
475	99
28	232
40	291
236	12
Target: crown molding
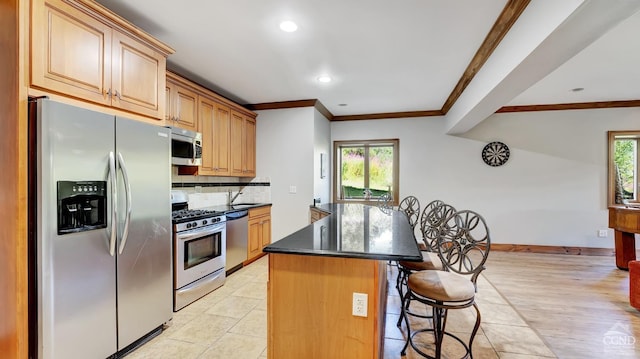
380	116
570	106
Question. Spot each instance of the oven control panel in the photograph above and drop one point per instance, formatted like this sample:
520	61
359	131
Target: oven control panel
199	223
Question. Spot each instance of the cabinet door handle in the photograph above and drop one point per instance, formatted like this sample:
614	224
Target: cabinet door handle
108	93
118	95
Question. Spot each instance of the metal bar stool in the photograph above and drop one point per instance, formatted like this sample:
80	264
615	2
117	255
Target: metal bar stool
429	224
463	246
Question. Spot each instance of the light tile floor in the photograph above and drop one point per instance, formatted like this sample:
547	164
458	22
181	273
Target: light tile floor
231	322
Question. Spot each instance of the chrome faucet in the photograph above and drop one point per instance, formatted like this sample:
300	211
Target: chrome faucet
233	197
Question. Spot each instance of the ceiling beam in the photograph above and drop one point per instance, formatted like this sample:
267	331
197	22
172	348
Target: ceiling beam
531	51
501	27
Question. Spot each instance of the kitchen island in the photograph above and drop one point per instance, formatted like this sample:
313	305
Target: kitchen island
314	273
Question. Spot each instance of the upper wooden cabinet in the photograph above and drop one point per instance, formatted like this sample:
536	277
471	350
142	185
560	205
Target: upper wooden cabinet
182	105
243	145
221	141
214	124
83	50
250	146
228	129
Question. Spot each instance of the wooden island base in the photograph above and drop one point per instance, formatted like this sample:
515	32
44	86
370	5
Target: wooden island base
309	301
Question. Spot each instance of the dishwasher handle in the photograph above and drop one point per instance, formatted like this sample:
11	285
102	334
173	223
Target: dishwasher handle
237	215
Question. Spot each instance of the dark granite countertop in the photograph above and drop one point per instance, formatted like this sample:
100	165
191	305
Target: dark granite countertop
353	231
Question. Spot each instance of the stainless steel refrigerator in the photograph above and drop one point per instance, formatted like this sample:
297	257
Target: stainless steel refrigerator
102	248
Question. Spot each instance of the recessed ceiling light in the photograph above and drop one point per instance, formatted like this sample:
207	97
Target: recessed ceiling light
577	89
324	78
342	104
288	26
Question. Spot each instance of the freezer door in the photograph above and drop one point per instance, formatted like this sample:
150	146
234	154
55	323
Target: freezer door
76	280
144	247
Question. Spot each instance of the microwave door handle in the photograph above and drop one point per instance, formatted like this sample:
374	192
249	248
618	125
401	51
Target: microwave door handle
114	212
127	189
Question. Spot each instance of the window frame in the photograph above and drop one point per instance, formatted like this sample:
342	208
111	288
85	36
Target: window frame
612	137
337	172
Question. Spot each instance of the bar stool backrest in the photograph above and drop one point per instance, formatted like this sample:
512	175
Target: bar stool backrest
385	203
464	243
431	222
431	205
411	207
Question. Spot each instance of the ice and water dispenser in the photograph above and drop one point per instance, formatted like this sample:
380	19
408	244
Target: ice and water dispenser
82	206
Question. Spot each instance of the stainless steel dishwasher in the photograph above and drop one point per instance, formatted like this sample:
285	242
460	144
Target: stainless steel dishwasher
237	238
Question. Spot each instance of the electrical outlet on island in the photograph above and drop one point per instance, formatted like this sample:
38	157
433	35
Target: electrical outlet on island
359	305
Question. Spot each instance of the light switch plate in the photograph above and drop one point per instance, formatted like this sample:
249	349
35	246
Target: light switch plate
293	189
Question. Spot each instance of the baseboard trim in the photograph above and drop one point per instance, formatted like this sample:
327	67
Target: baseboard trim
249	261
529	248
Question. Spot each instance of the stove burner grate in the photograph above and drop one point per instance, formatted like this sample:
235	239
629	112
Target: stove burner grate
189	214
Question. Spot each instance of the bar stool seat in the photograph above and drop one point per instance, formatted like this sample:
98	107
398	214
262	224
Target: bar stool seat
430	260
441	286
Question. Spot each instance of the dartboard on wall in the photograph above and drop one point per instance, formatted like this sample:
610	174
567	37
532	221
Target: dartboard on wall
495	154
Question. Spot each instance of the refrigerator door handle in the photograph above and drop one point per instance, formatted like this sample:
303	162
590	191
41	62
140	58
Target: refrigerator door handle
127	187
114	212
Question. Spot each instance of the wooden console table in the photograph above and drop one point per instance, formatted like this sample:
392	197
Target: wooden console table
626	223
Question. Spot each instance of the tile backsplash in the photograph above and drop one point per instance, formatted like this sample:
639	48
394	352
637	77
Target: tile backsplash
205	191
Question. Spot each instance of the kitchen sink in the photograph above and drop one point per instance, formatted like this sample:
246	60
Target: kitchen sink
243	205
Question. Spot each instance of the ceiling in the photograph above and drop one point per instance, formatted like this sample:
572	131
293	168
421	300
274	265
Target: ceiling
395	57
607	70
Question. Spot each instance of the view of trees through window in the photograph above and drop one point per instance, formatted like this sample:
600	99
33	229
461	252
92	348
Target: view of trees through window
366	170
626	159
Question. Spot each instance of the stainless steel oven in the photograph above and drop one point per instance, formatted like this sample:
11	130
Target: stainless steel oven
199	254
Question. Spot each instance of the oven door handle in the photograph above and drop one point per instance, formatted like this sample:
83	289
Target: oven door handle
199	233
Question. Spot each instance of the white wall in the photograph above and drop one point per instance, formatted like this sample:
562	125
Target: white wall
322	144
284	155
552	191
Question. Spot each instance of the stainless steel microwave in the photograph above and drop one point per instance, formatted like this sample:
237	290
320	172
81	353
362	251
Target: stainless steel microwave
186	147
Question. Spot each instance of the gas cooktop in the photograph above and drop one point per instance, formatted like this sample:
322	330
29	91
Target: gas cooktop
186	215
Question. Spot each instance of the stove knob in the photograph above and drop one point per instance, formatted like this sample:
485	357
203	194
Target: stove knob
204	222
188	225
218	219
194	224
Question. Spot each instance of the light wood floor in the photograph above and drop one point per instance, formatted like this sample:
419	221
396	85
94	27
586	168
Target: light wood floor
533	306
579	305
